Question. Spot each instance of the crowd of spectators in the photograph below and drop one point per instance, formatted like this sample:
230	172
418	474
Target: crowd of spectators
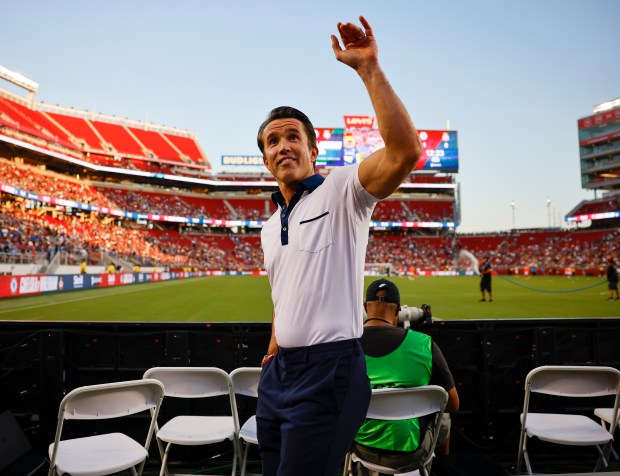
25	238
407	252
40	232
145	202
33	180
548	253
32	230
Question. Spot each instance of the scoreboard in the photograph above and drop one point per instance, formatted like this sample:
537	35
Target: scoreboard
351	144
338	147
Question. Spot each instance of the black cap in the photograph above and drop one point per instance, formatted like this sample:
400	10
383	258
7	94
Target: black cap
393	295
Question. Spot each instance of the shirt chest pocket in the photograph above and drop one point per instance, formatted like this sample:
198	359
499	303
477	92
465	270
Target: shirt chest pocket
315	233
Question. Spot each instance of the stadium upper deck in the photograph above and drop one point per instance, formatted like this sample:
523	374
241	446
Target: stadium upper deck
101	139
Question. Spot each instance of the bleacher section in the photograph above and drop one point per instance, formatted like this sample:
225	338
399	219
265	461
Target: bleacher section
81	130
101	140
608	204
188	148
252	209
31	122
157	144
218	246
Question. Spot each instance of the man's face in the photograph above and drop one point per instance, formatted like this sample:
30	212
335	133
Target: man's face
287	154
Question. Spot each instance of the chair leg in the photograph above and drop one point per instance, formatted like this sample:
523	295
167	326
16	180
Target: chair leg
527	461
160	447
245	458
603	455
346	470
520	453
235	443
164	461
613	453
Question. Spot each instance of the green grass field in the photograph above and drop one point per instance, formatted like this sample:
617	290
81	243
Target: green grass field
247	299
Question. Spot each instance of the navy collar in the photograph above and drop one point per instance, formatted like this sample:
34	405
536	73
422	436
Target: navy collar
309	184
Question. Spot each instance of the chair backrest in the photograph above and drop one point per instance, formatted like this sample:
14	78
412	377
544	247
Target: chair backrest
196	382
245	381
111	400
404	403
192	382
573	381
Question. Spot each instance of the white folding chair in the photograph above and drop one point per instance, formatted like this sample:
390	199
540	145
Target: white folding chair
111	452
567	429
245	382
606	415
402	404
195	382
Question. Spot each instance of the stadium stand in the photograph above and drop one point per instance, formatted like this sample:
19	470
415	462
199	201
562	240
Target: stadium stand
188	148
157	144
105	230
165	244
119	139
100	139
82	130
32	122
608	204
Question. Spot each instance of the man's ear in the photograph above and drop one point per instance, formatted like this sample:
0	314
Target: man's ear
365	308
314	153
397	311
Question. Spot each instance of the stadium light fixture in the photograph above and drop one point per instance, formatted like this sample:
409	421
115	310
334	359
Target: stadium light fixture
607	105
549	211
18	79
512	204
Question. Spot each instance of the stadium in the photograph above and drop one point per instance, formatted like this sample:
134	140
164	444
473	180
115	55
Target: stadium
121	249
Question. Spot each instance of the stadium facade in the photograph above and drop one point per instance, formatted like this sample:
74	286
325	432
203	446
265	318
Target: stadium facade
599	157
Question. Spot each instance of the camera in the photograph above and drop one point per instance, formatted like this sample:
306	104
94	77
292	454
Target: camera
415	317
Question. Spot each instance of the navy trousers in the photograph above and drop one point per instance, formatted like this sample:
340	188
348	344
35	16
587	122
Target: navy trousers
311	402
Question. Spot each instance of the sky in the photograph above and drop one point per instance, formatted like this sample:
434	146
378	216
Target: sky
511	77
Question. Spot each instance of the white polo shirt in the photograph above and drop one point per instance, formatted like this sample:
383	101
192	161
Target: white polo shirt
315	259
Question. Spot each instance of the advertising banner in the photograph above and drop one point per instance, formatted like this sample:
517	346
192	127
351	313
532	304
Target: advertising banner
255	161
25	285
329	142
599	119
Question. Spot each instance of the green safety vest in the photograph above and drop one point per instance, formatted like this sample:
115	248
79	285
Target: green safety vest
410	365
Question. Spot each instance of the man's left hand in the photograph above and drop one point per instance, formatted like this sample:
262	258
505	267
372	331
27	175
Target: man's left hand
360	47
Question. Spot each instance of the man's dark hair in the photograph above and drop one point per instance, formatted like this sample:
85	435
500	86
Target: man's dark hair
287	112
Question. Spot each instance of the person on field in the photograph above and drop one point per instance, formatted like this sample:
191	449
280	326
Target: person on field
612	279
485	279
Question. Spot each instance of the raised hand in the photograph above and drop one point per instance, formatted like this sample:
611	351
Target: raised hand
359	47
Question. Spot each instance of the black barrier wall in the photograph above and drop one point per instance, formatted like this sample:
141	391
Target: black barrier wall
41	362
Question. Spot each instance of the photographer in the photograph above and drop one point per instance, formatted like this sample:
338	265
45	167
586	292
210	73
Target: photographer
397	357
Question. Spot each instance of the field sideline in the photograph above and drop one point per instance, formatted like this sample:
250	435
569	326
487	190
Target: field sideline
247	299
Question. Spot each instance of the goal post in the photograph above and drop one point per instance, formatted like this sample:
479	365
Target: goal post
378	269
